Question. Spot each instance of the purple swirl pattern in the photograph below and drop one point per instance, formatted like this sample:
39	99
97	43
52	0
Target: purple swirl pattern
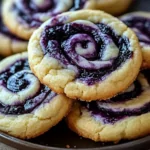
124	105
141	26
35	12
91	50
4	30
21	92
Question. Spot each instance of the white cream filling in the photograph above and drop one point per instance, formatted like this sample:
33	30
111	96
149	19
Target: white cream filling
134	103
83	51
111	51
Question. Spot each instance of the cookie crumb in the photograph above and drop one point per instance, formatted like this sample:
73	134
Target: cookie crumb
67	146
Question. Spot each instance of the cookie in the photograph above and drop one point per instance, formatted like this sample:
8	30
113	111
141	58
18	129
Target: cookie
9	43
26	16
27	108
124	117
139	22
113	7
85	54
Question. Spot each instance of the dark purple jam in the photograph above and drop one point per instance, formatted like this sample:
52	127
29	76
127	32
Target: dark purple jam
147	74
126	96
19	83
30	13
141	26
111	116
55	41
4	30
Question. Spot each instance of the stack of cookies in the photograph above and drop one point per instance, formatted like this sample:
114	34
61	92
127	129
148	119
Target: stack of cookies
86	65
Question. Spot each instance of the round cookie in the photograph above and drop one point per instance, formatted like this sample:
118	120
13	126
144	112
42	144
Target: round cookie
27	108
85	54
139	22
26	16
124	117
9	43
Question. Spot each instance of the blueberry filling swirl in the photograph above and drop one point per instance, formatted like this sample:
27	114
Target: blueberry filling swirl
21	91
133	102
4	30
35	12
141	26
91	50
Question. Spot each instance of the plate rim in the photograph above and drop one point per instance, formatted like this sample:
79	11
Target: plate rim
5	138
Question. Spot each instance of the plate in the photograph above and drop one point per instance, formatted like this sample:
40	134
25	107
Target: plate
60	137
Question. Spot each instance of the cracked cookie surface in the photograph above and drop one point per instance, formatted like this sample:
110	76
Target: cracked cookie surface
85	55
27	108
124	117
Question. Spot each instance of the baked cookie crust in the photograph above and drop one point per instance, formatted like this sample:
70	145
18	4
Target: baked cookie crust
62	79
114	7
130	122
27	121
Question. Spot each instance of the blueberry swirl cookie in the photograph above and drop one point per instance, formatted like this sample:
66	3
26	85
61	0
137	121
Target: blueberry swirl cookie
85	54
27	108
126	116
27	15
9	43
140	24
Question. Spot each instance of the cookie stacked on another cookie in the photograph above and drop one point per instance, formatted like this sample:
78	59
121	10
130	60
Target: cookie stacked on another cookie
124	117
88	56
76	53
95	59
90	50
